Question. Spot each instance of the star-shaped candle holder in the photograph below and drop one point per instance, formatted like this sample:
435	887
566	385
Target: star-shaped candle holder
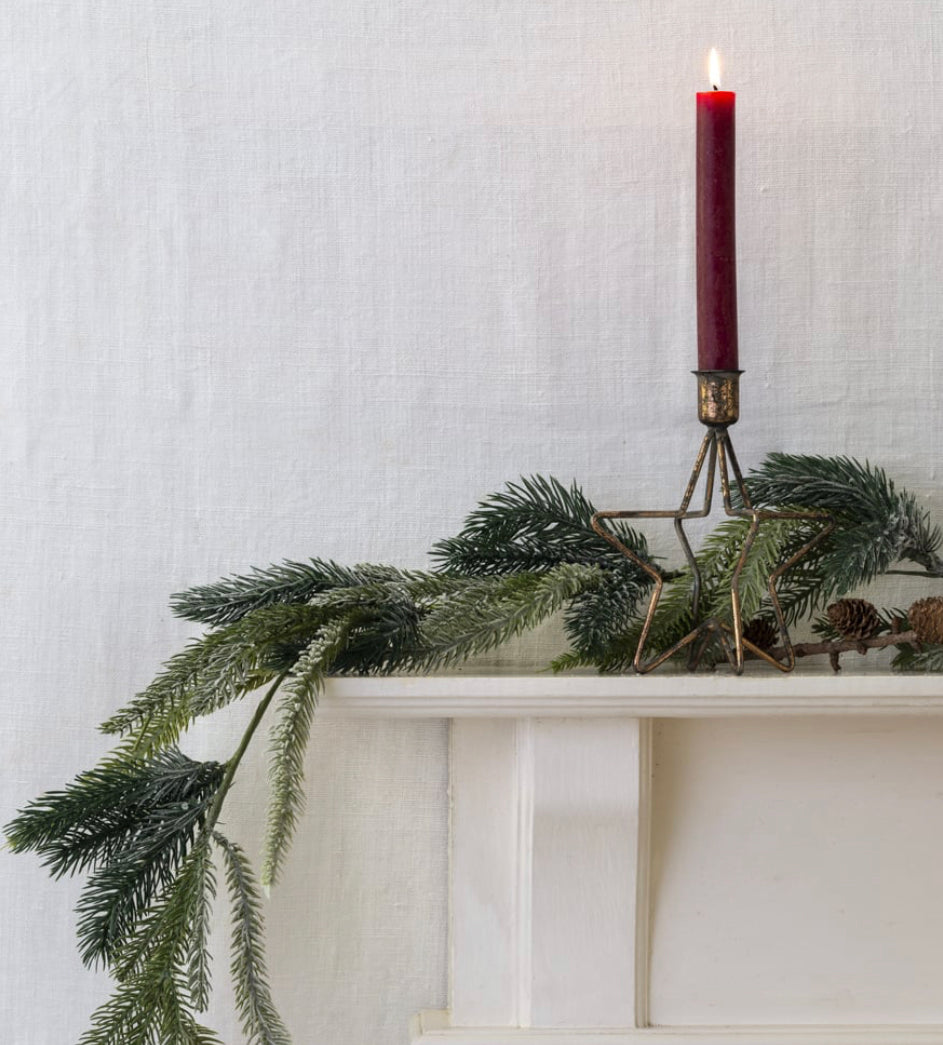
718	409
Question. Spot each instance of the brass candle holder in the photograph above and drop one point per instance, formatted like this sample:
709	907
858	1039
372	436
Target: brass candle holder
718	407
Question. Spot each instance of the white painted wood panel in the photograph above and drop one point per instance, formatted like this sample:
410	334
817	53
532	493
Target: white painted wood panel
545	854
487	835
796	872
586	802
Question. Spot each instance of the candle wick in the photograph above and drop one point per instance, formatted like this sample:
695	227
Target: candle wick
716	88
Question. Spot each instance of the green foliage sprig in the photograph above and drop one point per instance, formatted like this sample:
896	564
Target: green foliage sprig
539	524
260	1021
879	524
143	824
131	825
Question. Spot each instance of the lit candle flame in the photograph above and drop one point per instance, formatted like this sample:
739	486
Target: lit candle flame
713	65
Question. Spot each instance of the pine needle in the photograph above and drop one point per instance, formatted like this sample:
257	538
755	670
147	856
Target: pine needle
673	620
200	909
878	524
260	1021
489	611
232	598
131	823
221	667
289	741
533	525
597	616
152	1003
928	657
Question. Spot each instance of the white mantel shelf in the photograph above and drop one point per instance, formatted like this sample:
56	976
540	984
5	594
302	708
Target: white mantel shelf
670	695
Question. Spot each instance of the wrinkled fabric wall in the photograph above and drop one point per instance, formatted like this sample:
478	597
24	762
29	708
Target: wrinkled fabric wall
291	277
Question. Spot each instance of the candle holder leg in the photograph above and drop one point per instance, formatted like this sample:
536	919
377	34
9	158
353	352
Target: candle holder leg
707	452
727	455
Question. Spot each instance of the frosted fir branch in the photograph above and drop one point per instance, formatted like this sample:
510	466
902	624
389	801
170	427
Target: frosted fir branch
232	598
260	1021
488	612
152	1000
213	671
878	524
288	744
534	525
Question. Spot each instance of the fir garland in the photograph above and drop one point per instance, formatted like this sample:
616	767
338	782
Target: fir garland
143	825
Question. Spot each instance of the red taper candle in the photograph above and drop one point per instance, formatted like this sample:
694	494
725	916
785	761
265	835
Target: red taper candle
716	228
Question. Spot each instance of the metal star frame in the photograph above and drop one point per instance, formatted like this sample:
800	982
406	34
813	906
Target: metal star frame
718	408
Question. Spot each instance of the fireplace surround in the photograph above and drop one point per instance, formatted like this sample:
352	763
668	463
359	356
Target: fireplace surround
703	859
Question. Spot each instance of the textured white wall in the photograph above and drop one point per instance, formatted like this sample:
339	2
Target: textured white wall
284	278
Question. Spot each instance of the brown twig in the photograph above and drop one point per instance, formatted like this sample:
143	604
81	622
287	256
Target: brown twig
833	649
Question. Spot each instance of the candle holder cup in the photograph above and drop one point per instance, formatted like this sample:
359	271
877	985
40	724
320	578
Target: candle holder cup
718	396
718	407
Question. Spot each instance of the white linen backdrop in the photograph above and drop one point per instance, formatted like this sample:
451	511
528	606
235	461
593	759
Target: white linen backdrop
285	278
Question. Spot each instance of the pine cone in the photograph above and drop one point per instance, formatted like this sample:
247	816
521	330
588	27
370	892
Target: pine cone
762	633
853	618
926	618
